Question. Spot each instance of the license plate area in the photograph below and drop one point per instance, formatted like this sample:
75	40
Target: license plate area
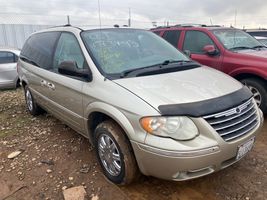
244	148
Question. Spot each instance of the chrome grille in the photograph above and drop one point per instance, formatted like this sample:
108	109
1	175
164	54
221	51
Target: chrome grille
236	122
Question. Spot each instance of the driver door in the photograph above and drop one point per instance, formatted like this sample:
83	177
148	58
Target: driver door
195	41
66	91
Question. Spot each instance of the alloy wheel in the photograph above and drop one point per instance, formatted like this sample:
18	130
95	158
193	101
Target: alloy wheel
29	100
256	94
109	155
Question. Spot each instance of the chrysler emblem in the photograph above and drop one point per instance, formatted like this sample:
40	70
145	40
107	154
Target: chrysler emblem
238	110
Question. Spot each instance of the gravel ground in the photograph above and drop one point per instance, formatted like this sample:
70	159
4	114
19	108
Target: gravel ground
53	157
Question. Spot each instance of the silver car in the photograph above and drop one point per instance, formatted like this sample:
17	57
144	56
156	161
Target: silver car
144	105
8	68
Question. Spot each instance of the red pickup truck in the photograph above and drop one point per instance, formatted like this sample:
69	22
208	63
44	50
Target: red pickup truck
226	49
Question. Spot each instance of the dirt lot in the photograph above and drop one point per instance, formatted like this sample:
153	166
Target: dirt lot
55	157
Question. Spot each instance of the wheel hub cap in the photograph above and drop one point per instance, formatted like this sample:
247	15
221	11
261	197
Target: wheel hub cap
29	100
256	95
109	155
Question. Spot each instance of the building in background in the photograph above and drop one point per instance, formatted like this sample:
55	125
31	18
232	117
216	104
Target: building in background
14	35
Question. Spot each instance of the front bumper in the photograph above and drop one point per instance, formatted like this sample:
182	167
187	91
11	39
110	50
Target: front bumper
188	160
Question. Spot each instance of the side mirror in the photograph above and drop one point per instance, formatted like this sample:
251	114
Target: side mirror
210	50
70	68
187	53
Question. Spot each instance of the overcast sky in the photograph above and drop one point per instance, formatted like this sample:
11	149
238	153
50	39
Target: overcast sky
249	14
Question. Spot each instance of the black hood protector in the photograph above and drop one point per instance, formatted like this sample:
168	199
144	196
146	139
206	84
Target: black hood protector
207	107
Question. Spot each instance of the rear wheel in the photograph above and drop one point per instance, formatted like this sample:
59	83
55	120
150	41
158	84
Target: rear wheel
32	106
115	153
259	91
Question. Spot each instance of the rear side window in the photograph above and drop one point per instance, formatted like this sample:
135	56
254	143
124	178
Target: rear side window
39	49
195	41
157	32
172	37
7	57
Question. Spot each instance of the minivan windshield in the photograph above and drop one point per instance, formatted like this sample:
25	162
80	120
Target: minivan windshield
123	50
234	39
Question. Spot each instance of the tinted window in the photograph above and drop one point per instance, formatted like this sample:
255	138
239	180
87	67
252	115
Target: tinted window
68	49
259	33
39	49
195	41
172	37
6	57
157	32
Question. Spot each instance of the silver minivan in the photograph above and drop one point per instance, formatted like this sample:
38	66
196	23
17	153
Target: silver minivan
144	105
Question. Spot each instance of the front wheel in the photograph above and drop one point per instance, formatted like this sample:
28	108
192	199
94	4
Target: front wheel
115	153
259	91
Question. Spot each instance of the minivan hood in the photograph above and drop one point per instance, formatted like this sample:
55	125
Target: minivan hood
181	87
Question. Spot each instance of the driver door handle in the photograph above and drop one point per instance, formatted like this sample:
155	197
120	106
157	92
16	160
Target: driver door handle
51	86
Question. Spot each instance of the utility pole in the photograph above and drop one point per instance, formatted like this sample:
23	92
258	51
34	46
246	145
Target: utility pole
211	22
129	20
235	17
68	19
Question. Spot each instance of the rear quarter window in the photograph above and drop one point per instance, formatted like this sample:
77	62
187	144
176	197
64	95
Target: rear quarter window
39	49
157	32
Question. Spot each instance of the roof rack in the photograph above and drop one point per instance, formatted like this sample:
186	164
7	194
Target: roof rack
65	25
186	26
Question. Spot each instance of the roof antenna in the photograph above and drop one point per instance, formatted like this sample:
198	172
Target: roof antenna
99	14
68	20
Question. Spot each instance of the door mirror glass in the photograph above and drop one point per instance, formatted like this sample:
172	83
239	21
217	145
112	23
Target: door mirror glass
210	50
70	68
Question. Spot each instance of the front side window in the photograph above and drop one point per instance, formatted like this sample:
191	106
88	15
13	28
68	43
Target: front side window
68	49
234	39
195	41
118	50
172	37
39	49
7	57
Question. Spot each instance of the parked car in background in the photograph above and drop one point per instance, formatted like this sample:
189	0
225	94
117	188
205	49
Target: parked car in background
8	68
262	40
257	32
226	49
142	103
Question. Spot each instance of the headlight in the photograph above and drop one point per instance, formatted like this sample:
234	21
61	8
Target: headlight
178	128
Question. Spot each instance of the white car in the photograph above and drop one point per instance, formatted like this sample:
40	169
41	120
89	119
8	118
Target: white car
8	68
261	39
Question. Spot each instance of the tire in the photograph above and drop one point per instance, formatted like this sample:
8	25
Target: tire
110	140
32	106
259	90
18	83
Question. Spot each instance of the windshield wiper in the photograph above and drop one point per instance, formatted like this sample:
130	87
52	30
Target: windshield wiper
166	62
259	46
156	66
242	47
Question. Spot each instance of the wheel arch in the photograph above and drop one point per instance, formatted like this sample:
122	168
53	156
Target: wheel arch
241	76
98	112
